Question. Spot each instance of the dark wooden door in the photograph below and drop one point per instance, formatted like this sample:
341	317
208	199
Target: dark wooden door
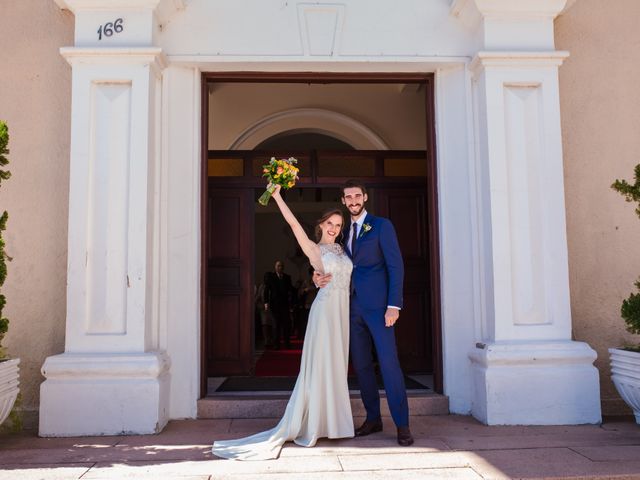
406	208
229	296
404	195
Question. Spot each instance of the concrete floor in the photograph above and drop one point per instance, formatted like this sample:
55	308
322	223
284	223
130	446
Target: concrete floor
446	447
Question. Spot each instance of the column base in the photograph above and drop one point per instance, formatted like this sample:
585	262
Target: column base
104	394
535	383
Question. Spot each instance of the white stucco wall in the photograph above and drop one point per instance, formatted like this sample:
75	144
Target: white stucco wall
35	96
600	125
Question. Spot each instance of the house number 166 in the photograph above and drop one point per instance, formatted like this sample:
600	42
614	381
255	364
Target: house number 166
110	28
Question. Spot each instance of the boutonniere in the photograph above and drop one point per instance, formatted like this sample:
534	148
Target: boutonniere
366	227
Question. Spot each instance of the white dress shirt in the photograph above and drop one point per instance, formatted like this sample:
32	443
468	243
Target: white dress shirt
359	222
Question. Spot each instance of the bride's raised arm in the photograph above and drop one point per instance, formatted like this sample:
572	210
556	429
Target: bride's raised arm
309	247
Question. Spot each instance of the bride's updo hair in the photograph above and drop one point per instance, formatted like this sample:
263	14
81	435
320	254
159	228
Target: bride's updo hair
323	218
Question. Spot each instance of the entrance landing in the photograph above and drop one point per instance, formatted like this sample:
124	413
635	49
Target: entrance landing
264	405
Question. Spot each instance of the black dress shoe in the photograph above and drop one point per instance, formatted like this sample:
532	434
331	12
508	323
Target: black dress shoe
404	436
369	427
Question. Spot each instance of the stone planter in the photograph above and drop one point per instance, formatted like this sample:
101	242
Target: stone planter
8	386
625	373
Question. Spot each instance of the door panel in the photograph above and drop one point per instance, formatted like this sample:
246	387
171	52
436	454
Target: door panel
229	312
406	209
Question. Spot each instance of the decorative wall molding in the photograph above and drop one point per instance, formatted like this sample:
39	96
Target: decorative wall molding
516	59
525	383
320	27
524	149
116	57
316	120
105	366
104	394
511	9
108	196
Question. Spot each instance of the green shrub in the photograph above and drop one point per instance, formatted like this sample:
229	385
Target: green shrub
630	310
4	175
15	417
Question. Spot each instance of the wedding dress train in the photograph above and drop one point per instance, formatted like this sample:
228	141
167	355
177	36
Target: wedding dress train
319	405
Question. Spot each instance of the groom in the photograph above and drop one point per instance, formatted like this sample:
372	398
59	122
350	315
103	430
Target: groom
376	300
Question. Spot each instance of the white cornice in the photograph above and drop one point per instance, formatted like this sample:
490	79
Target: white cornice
163	8
117	56
76	5
509	8
518	59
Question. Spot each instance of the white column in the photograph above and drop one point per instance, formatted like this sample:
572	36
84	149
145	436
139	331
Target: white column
526	369
112	377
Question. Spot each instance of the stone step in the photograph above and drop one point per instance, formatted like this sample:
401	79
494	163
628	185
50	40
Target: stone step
261	405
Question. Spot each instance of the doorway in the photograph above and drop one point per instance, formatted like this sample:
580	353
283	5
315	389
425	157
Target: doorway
402	188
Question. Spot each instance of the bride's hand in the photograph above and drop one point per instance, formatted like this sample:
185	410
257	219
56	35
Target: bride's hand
277	188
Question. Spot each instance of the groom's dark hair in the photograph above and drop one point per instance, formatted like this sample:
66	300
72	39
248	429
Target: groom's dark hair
354	184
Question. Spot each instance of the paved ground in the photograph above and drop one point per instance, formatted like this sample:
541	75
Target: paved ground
447	447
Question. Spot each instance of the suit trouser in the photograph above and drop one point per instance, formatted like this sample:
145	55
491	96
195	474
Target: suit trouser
367	329
283	324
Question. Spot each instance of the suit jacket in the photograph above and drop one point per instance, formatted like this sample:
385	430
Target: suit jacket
378	270
277	291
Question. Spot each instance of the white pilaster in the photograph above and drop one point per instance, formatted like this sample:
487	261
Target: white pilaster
525	367
112	377
180	275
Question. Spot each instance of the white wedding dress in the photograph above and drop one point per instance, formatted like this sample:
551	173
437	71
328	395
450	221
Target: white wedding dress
319	405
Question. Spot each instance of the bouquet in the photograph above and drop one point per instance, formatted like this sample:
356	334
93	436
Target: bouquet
278	172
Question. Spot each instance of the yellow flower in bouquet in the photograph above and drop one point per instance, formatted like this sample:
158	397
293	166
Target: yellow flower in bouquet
278	172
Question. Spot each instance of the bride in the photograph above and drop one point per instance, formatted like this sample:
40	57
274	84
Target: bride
319	405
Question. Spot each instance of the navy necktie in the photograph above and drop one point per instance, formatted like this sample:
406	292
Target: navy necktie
353	238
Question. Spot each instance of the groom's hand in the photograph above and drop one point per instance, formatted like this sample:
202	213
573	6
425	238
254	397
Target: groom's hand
391	316
321	280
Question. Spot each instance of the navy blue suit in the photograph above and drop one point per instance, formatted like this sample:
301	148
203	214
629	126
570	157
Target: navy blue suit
376	283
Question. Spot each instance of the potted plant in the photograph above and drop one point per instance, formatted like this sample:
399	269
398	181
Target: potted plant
8	366
625	361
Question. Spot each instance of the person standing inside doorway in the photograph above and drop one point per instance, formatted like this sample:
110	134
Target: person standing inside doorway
267	321
277	299
306	295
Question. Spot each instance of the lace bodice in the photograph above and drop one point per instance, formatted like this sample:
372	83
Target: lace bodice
336	262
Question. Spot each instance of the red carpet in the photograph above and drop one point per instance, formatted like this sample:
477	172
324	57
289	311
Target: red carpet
280	363
283	362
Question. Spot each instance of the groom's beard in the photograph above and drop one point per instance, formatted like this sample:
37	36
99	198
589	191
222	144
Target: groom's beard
355	210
